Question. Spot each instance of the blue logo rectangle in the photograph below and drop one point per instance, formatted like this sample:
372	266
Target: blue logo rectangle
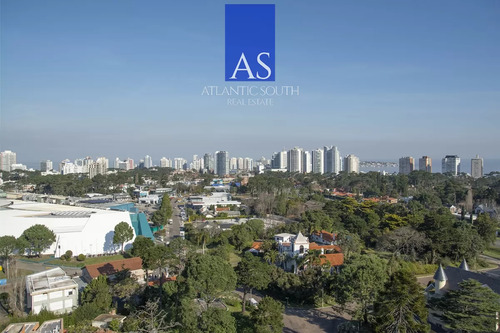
250	39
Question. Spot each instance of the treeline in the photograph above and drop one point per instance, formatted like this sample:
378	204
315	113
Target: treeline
286	194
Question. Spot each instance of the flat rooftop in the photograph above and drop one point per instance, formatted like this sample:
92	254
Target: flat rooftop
52	279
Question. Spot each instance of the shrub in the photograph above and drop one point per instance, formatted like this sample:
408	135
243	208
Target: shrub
68	255
63	257
81	257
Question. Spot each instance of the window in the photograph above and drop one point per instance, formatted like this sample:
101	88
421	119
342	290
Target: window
302	249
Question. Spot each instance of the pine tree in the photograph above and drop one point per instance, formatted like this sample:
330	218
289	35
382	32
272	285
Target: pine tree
471	308
401	306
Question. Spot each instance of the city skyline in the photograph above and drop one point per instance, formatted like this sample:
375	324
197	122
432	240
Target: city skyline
177	162
388	79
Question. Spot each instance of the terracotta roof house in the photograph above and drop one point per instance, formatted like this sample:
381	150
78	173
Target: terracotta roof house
325	248
134	265
324	237
255	248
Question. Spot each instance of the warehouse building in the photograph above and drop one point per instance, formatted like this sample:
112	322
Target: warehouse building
82	230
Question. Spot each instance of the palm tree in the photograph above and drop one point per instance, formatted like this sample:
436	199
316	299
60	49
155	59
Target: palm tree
271	256
281	258
202	237
313	257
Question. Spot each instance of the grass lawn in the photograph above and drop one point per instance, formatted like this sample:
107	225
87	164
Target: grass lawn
20	272
493	251
87	261
234	259
42	258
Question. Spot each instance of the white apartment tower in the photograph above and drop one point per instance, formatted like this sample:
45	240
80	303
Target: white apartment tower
295	160
406	165
351	164
451	163
318	161
148	162
7	158
332	162
476	167
165	162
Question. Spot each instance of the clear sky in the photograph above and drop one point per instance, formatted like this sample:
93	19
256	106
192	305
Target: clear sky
379	79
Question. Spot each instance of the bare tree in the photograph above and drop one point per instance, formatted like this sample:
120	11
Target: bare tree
153	319
405	241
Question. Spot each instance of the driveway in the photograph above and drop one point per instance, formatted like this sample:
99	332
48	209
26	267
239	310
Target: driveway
325	319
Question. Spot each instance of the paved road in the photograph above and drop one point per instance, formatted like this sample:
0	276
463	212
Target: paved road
174	228
312	320
306	320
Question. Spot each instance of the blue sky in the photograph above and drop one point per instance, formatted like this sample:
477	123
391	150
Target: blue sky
379	79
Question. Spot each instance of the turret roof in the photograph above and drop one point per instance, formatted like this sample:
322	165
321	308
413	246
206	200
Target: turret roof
440	275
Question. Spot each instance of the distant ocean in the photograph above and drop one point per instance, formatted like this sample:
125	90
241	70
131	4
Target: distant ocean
489	165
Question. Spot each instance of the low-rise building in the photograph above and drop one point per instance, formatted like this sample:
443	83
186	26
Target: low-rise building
133	265
324	237
52	290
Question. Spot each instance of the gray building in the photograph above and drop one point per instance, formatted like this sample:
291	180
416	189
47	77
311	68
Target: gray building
476	167
406	165
332	162
425	164
451	163
222	163
52	290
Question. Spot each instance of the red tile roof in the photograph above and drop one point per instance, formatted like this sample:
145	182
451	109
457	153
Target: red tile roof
327	236
112	267
314	246
256	245
335	259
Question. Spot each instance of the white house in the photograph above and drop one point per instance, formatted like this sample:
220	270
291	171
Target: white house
296	246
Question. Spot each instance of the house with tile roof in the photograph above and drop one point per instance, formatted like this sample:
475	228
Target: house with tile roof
133	265
324	237
294	247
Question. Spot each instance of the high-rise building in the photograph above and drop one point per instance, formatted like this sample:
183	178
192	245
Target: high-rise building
307	167
116	165
248	164
295	160
318	161
332	162
450	164
99	167
130	164
351	164
179	163
406	165
7	158
222	163
476	167
102	165
165	162
46	165
279	160
209	162
425	164
233	163
148	162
